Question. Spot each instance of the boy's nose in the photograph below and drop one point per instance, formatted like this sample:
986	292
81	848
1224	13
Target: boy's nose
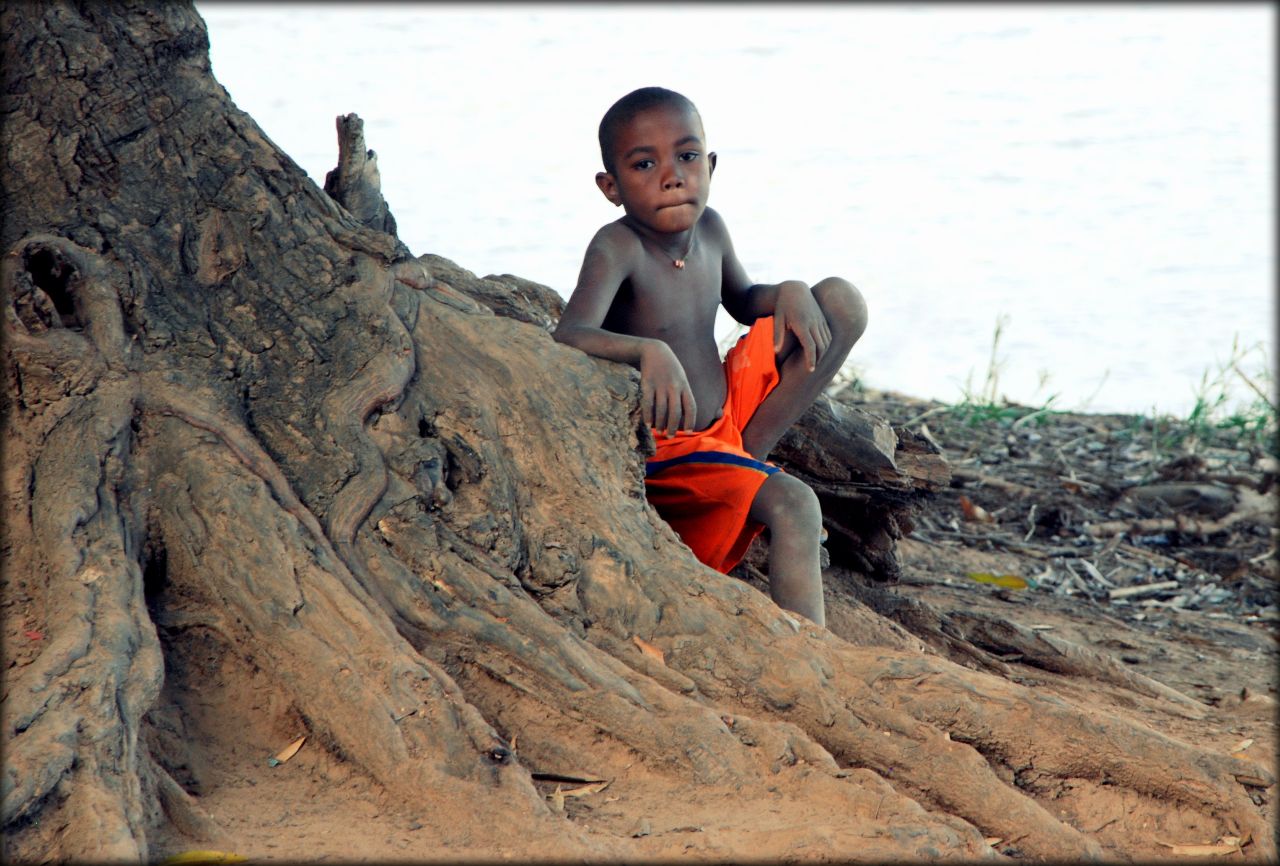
674	180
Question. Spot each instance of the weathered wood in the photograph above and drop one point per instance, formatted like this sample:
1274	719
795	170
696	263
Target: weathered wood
355	183
253	446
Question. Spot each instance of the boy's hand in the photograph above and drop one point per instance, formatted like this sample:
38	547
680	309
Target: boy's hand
666	400
795	310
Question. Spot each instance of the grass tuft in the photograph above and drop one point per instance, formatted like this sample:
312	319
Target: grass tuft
985	406
1218	417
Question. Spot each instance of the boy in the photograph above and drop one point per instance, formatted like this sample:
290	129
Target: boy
647	295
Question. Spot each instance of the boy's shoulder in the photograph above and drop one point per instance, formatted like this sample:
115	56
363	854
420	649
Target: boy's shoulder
617	241
616	232
711	219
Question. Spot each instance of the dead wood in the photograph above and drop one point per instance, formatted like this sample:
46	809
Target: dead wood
266	473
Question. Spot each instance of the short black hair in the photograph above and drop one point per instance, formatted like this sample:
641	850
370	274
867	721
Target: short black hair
628	107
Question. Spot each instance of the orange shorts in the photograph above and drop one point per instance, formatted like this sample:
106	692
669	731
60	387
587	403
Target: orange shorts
703	483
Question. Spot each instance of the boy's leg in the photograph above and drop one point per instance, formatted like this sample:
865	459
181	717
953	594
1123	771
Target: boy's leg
790	510
797	388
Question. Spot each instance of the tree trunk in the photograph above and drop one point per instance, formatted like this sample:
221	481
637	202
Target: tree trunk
266	472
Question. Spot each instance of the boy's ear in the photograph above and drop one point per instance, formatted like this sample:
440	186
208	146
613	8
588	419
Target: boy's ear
609	187
711	160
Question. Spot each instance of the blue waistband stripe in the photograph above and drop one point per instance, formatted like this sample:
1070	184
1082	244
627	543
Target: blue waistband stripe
657	466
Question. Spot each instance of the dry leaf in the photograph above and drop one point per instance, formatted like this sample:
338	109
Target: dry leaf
1255	781
287	752
557	799
1242	745
650	650
1203	850
973	512
586	789
192	858
1008	581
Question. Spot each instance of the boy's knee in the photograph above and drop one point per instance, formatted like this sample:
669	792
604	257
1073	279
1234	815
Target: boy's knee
844	307
787	502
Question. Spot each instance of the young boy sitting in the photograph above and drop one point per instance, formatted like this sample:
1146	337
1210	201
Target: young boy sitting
647	295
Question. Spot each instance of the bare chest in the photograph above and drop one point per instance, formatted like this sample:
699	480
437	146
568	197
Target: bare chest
676	305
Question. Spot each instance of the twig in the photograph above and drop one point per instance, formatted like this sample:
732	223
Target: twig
929	413
1025	418
991	481
1169	524
1265	398
1143	589
1095	573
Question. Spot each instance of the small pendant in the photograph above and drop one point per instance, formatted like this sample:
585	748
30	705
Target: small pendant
679	263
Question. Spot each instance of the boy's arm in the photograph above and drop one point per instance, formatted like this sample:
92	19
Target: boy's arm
790	302
604	269
666	400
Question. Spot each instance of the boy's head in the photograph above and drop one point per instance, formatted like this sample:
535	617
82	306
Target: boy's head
626	109
656	161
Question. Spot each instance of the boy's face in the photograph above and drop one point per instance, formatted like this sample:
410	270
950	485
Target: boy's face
662	170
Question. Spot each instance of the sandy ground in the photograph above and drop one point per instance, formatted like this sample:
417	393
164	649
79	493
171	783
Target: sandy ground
314	809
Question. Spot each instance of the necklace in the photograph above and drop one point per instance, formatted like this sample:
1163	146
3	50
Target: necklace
679	263
676	262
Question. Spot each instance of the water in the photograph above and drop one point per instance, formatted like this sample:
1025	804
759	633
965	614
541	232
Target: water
1100	176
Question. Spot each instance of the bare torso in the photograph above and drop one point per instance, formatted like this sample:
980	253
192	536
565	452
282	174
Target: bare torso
678	306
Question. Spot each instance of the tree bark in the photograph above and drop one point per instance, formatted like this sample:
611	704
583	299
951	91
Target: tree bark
251	442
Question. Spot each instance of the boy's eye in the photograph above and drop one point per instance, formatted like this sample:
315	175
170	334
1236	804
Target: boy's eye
690	155
642	164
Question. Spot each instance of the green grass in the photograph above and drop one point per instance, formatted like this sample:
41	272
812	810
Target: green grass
1218	417
985	406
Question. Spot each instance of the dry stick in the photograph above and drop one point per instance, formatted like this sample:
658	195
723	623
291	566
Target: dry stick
1143	589
1165	524
1031	523
1095	573
991	481
926	414
1260	557
1030	415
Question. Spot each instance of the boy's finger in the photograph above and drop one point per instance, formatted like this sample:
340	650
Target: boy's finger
810	350
690	411
823	339
779	331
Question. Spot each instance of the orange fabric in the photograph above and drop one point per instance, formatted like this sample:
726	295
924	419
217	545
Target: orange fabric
703	483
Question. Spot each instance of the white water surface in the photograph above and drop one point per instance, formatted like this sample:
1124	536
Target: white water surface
1100	175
